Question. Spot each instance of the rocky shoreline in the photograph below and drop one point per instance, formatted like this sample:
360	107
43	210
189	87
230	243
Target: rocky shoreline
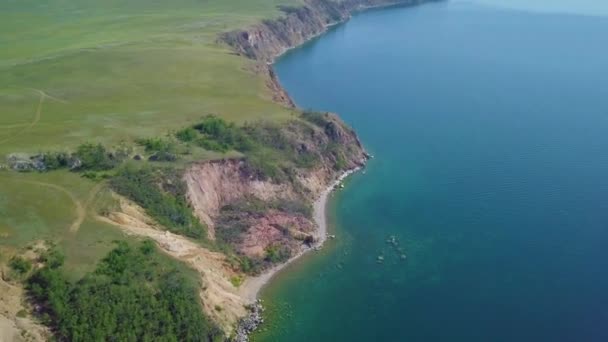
263	43
254	319
250	323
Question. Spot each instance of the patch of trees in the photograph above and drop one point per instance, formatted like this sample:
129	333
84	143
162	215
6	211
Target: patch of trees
216	134
134	294
162	194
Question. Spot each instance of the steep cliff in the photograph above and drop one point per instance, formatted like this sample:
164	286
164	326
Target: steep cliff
260	215
271	38
267	220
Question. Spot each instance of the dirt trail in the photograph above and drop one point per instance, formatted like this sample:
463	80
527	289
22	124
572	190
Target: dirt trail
37	117
78	206
80	209
83	209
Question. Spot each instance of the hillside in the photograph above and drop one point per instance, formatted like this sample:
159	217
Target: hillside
156	120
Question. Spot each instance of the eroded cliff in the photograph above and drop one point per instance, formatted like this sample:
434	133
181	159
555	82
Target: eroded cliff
271	38
261	216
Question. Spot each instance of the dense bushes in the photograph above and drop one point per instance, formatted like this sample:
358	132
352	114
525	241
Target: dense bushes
88	157
94	157
162	195
133	295
219	135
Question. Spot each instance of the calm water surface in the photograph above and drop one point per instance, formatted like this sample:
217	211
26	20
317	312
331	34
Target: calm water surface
490	131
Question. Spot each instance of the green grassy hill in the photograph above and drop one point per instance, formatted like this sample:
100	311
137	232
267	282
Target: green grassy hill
110	71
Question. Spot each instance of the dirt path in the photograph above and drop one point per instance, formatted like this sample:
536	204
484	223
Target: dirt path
37	117
80	211
78	206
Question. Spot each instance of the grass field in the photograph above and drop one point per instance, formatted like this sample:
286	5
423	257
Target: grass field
73	71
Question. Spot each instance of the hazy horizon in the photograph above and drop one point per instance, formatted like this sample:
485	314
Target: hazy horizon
585	7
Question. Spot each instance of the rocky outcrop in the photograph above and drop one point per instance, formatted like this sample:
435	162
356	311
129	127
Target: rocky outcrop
271	38
225	193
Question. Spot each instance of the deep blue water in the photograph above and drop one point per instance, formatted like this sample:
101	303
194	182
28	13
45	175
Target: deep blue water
490	132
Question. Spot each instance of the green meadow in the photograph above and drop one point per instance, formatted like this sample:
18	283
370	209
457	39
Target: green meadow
76	71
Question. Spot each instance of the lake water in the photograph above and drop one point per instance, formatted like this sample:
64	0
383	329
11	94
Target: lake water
490	132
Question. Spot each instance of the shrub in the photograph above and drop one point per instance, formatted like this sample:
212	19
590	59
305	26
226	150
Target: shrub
225	135
53	258
20	265
94	157
157	144
187	134
56	160
276	253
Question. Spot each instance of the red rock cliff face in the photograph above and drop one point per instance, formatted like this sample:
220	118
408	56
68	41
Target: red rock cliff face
225	194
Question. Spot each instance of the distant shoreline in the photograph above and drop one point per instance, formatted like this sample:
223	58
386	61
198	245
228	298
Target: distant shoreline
252	286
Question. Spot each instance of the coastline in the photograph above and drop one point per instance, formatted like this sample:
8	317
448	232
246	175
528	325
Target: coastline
252	286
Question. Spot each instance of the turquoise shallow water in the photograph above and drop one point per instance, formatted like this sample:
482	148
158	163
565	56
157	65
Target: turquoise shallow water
490	131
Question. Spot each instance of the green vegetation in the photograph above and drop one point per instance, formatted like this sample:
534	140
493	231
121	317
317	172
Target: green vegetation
269	151
20	265
105	72
89	80
134	294
218	134
162	194
276	254
49	206
94	157
237	280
